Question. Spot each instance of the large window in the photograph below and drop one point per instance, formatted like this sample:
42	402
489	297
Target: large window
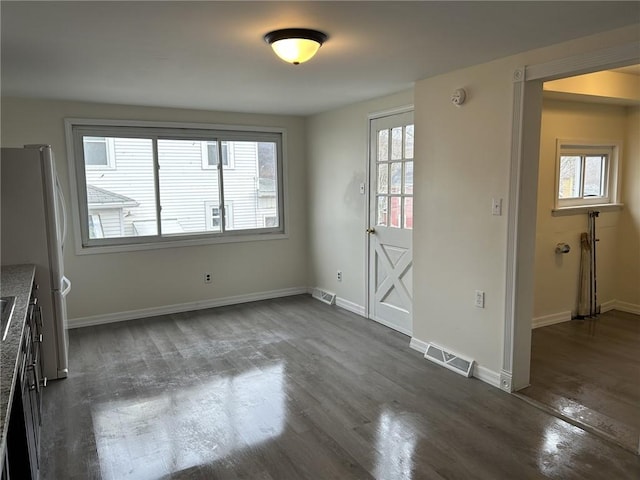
142	185
586	174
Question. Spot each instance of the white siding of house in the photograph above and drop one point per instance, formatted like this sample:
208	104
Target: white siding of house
111	221
132	177
185	186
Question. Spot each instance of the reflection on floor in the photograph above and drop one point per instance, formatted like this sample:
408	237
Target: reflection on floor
292	389
589	370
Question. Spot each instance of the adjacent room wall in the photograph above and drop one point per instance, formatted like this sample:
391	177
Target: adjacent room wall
628	251
556	276
337	162
107	284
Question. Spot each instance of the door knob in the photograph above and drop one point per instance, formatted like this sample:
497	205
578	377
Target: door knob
370	230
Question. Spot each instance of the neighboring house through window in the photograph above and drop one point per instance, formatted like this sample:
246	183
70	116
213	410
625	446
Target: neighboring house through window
141	184
210	154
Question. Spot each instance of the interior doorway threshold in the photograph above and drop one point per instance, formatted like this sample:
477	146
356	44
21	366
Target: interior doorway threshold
585	418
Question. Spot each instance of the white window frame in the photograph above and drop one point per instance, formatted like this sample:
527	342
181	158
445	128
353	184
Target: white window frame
111	156
205	157
75	128
568	147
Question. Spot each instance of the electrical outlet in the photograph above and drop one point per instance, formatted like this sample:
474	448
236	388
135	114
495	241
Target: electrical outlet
339	275
207	278
479	299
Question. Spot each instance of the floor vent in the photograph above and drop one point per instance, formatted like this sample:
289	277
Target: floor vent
449	360
324	296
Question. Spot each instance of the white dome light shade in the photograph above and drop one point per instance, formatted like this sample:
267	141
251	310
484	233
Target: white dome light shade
295	45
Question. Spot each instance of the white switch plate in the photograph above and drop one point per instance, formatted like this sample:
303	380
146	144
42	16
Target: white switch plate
496	206
479	299
362	188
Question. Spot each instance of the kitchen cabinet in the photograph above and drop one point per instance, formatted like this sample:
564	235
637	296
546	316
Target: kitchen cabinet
22	460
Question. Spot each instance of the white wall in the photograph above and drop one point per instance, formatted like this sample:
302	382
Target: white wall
120	282
462	162
628	251
337	163
556	276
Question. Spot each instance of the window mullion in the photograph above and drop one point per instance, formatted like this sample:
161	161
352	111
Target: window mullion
156	182
583	166
223	223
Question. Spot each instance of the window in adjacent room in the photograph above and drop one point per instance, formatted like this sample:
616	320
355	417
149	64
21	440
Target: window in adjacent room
587	174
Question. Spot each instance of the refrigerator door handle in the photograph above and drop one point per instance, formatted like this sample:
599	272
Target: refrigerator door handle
66	286
64	212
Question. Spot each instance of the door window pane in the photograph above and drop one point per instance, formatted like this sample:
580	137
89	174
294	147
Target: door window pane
123	198
395	212
396	143
383	145
383	178
408	178
570	172
408	142
407	213
396	177
382	213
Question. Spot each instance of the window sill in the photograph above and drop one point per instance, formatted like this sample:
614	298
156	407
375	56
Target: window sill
582	209
133	247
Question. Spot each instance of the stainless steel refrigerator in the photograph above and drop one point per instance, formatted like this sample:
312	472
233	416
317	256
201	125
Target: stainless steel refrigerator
33	229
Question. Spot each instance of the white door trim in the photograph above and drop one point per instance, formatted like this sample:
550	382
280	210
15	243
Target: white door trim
523	191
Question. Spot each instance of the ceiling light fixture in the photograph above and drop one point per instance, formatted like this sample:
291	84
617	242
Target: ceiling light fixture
295	45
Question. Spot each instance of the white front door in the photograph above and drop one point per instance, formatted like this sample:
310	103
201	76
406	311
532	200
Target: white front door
391	221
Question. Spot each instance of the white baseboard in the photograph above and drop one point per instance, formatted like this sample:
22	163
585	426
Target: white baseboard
481	373
627	307
182	307
418	345
608	306
552	319
351	306
486	375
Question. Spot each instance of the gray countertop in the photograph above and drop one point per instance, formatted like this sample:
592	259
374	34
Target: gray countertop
16	280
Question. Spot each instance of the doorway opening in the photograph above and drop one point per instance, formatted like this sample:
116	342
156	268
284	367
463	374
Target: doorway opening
584	367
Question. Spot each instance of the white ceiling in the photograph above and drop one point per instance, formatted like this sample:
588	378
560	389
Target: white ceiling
211	55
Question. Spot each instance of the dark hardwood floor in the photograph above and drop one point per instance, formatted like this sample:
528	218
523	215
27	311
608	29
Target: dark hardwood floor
293	389
589	370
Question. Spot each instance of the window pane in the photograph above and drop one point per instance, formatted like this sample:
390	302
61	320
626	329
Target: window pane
396	143
95	151
383	178
396	177
570	172
212	153
408	141
123	198
396	211
408	178
383	145
267	184
594	176
250	188
381	214
408	213
189	195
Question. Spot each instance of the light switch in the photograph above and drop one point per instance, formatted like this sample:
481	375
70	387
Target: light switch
362	189
496	206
